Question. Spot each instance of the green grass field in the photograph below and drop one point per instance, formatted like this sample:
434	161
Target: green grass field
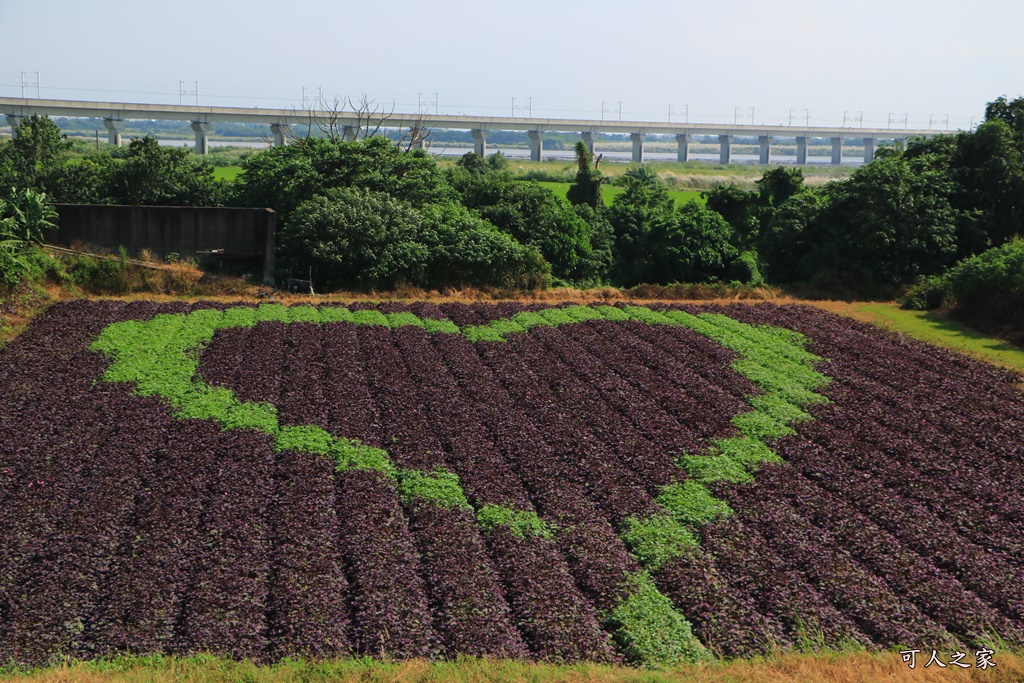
610	192
228	173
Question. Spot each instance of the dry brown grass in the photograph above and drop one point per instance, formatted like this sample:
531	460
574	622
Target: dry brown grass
702	293
857	667
183	281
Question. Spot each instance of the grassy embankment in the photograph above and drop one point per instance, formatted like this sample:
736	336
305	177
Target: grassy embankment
933	328
691	176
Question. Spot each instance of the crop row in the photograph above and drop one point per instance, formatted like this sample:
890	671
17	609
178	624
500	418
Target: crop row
648	483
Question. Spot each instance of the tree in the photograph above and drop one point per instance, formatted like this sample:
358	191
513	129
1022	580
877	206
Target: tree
498	162
644	207
465	249
779	184
24	216
586	187
38	145
162	176
1010	112
354	237
788	236
739	208
37	152
474	164
283	177
987	167
533	216
357	238
886	225
695	247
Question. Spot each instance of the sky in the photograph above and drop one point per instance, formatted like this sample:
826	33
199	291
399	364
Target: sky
884	63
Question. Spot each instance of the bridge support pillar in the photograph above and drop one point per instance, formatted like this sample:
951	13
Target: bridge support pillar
765	141
479	141
869	150
588	140
682	148
114	128
281	132
417	139
724	149
837	151
13	120
349	133
202	130
801	151
536	144
638	147
417	136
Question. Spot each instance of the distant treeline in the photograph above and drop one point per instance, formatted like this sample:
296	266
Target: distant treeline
159	128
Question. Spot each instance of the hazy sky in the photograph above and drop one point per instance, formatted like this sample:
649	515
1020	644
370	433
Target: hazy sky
923	58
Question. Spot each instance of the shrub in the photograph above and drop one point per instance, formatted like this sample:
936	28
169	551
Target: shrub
985	290
745	268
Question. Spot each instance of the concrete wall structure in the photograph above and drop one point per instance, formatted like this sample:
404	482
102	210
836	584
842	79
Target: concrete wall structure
235	234
278	121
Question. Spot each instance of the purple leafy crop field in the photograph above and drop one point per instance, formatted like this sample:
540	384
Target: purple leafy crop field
613	484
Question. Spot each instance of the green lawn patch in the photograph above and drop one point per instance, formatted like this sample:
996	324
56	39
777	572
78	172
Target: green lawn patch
610	192
227	173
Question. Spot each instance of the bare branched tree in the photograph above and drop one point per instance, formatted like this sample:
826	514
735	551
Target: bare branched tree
347	119
416	137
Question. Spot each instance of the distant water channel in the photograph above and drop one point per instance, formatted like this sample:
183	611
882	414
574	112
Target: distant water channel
623	156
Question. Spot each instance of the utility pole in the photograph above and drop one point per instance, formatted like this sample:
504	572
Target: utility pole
528	107
182	92
686	113
26	84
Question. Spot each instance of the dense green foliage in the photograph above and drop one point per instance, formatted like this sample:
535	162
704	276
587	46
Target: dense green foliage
986	290
909	213
24	216
532	215
586	186
359	238
39	157
153	175
370	214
